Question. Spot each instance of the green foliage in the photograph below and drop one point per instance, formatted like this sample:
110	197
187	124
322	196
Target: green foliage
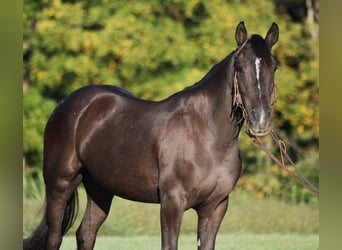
36	112
275	182
33	185
156	48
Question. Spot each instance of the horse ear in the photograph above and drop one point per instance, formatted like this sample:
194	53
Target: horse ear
272	35
240	33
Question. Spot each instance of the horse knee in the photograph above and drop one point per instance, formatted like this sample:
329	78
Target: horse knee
85	240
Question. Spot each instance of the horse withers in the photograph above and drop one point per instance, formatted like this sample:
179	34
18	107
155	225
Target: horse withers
181	152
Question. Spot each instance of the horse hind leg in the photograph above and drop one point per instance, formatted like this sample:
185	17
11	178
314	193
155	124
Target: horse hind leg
60	205
98	205
59	216
62	176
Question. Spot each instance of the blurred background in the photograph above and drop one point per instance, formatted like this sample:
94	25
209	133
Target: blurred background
156	48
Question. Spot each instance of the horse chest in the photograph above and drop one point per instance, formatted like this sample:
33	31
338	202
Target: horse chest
198	171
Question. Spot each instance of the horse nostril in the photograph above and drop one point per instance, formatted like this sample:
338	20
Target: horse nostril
253	115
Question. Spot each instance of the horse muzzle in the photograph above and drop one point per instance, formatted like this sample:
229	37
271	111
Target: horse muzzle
259	122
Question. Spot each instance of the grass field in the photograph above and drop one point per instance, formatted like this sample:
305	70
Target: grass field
224	242
250	223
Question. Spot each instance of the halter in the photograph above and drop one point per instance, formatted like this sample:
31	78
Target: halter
237	100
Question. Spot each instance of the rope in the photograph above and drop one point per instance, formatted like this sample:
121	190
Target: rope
282	148
237	100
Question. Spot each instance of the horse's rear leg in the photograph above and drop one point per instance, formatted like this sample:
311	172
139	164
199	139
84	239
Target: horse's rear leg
56	203
98	205
209	221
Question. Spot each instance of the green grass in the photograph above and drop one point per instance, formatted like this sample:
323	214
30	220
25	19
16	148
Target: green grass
224	241
246	214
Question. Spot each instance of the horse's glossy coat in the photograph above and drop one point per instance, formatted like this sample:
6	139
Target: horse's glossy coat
181	152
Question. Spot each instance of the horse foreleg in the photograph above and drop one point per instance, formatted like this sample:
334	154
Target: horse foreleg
209	222
98	205
171	214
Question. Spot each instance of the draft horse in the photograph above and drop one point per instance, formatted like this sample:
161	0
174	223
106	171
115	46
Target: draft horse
181	152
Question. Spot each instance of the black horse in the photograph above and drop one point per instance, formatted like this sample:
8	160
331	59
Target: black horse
181	152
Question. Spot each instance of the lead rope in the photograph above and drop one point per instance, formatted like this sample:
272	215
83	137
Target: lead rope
282	148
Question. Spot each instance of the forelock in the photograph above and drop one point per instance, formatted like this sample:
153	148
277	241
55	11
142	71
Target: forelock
260	48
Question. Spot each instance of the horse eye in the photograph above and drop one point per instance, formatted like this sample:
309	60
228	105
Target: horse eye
238	67
275	64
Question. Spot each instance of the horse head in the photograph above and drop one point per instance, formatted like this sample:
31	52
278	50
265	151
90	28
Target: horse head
254	69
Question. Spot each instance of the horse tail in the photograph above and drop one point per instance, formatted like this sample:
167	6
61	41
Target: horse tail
38	239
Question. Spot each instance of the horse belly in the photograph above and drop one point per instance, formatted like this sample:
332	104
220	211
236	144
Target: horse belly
134	183
125	169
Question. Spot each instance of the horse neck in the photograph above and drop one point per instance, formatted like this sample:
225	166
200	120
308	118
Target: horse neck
217	87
